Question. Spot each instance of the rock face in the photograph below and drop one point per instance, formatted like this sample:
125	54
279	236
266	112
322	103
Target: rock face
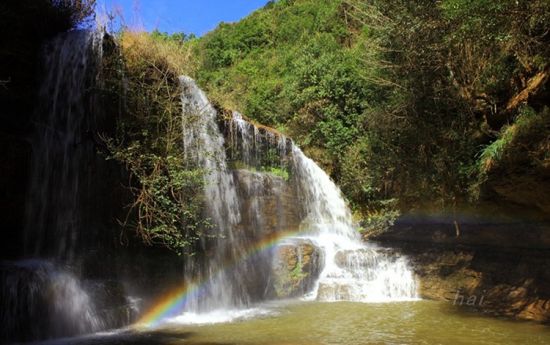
499	269
509	283
329	292
296	267
15	160
268	203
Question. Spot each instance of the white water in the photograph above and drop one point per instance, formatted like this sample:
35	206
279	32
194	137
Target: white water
247	134
351	271
42	298
63	291
202	138
219	316
204	144
49	295
363	273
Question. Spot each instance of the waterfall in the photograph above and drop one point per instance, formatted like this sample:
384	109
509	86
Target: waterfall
352	270
63	147
46	296
349	269
202	138
41	300
204	144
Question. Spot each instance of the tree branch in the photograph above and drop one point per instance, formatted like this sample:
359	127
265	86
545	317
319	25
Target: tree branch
533	85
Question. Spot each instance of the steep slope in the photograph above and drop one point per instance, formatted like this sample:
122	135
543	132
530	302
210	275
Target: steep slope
406	105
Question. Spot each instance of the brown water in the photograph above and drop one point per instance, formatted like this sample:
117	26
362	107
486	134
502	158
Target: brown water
422	322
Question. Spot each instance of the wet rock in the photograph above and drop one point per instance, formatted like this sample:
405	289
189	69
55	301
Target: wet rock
366	257
334	292
268	203
296	266
115	308
501	264
536	311
469	231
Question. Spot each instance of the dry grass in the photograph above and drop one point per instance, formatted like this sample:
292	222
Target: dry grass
170	59
170	56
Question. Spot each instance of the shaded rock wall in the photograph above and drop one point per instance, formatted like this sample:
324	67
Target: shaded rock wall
15	153
470	232
112	266
498	282
269	204
496	268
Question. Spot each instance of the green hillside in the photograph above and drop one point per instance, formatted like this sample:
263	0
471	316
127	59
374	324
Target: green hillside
403	103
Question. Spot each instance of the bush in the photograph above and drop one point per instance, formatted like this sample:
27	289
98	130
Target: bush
529	126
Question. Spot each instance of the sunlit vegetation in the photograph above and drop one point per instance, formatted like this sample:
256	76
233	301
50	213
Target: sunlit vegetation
395	99
406	105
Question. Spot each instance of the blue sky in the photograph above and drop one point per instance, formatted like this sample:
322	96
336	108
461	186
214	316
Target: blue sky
189	16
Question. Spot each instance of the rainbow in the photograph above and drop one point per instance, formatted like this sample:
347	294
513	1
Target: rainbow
173	302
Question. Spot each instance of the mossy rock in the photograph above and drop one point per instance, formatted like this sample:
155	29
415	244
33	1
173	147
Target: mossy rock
296	266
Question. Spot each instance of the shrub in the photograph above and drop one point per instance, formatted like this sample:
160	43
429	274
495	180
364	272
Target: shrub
529	126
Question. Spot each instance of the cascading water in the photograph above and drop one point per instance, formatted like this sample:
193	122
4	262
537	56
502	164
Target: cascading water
204	144
202	138
42	300
263	188
62	146
350	270
44	297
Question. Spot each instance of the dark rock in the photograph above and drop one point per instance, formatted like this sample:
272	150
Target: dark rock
447	230
497	268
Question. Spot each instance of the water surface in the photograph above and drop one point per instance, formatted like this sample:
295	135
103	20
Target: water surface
314	323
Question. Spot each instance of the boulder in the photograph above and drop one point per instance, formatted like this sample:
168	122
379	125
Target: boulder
296	267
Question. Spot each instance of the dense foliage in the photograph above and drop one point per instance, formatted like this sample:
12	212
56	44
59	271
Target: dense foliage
398	100
407	104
